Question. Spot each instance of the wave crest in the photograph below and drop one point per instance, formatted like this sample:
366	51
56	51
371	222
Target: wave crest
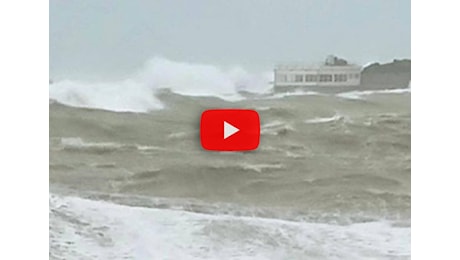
137	94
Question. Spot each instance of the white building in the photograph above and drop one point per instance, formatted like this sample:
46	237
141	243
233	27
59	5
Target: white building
334	72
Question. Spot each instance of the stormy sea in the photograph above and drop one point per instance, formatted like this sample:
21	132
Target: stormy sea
129	179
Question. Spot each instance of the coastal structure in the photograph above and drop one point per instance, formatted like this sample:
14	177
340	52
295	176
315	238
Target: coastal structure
334	72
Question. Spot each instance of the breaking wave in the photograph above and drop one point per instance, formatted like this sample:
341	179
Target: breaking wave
137	94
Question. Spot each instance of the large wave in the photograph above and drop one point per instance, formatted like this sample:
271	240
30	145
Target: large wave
137	94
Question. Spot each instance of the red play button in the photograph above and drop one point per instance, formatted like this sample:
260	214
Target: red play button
230	130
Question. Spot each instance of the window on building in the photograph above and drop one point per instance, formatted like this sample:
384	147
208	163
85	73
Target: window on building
298	78
325	78
310	78
340	77
282	78
337	77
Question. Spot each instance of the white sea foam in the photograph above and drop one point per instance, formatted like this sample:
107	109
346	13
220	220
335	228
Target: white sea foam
262	167
361	94
202	79
275	128
178	135
137	94
263	108
125	96
317	120
294	155
275	123
77	143
293	94
86	229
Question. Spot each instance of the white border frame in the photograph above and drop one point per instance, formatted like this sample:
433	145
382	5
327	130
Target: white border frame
24	111
435	130
24	54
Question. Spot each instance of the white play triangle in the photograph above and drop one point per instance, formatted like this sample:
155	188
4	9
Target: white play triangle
229	130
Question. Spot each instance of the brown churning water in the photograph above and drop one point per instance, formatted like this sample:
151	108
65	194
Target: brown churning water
331	178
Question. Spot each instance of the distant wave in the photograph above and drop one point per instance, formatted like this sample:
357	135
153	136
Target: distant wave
276	128
77	144
137	94
259	168
317	120
249	167
295	93
359	94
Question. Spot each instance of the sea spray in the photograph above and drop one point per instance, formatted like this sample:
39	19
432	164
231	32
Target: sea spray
137	94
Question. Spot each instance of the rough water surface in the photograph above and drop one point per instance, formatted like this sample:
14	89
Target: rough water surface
330	179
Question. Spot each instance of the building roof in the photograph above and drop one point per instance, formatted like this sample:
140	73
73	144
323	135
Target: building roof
315	67
331	63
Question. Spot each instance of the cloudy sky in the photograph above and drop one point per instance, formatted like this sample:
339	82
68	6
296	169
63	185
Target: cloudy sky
90	38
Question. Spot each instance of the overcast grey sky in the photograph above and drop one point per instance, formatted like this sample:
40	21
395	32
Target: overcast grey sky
92	38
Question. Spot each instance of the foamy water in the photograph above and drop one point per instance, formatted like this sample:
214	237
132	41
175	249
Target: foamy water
363	93
323	119
82	228
137	94
330	179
